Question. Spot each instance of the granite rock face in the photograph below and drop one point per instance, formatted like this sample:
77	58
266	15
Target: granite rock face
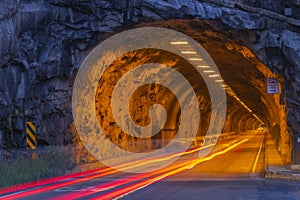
42	44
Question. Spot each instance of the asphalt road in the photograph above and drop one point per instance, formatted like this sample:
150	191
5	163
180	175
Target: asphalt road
233	170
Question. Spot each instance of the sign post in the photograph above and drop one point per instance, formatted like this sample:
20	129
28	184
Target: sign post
272	86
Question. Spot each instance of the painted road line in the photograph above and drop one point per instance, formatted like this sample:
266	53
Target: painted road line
257	156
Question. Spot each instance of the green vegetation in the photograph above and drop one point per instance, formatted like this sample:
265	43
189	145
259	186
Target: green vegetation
49	162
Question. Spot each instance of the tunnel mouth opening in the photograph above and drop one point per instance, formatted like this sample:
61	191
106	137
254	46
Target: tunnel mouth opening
249	105
243	72
245	76
143	98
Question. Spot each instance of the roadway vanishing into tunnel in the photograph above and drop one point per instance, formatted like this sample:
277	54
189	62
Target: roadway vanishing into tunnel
232	170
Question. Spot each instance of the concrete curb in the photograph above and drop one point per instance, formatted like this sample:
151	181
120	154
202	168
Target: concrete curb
280	171
282	174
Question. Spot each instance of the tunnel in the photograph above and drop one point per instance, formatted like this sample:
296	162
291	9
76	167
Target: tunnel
249	106
162	128
40	62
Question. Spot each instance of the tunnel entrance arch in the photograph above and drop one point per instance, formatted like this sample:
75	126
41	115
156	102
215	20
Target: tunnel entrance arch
249	105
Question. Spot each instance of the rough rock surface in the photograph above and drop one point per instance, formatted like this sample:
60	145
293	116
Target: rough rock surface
42	44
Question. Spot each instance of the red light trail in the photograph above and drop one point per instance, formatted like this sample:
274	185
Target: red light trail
119	187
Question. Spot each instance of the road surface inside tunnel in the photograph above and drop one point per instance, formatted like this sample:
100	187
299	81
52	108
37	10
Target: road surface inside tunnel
233	170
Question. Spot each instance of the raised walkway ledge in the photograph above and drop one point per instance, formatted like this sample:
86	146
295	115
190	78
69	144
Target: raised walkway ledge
275	168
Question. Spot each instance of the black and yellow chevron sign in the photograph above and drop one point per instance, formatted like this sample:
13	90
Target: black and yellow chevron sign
30	135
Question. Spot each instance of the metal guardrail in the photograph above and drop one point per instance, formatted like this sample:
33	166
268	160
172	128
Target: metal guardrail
207	139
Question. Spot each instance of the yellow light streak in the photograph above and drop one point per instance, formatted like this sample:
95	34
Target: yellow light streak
129	189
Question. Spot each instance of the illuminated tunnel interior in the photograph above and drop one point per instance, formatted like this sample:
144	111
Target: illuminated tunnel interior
244	75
